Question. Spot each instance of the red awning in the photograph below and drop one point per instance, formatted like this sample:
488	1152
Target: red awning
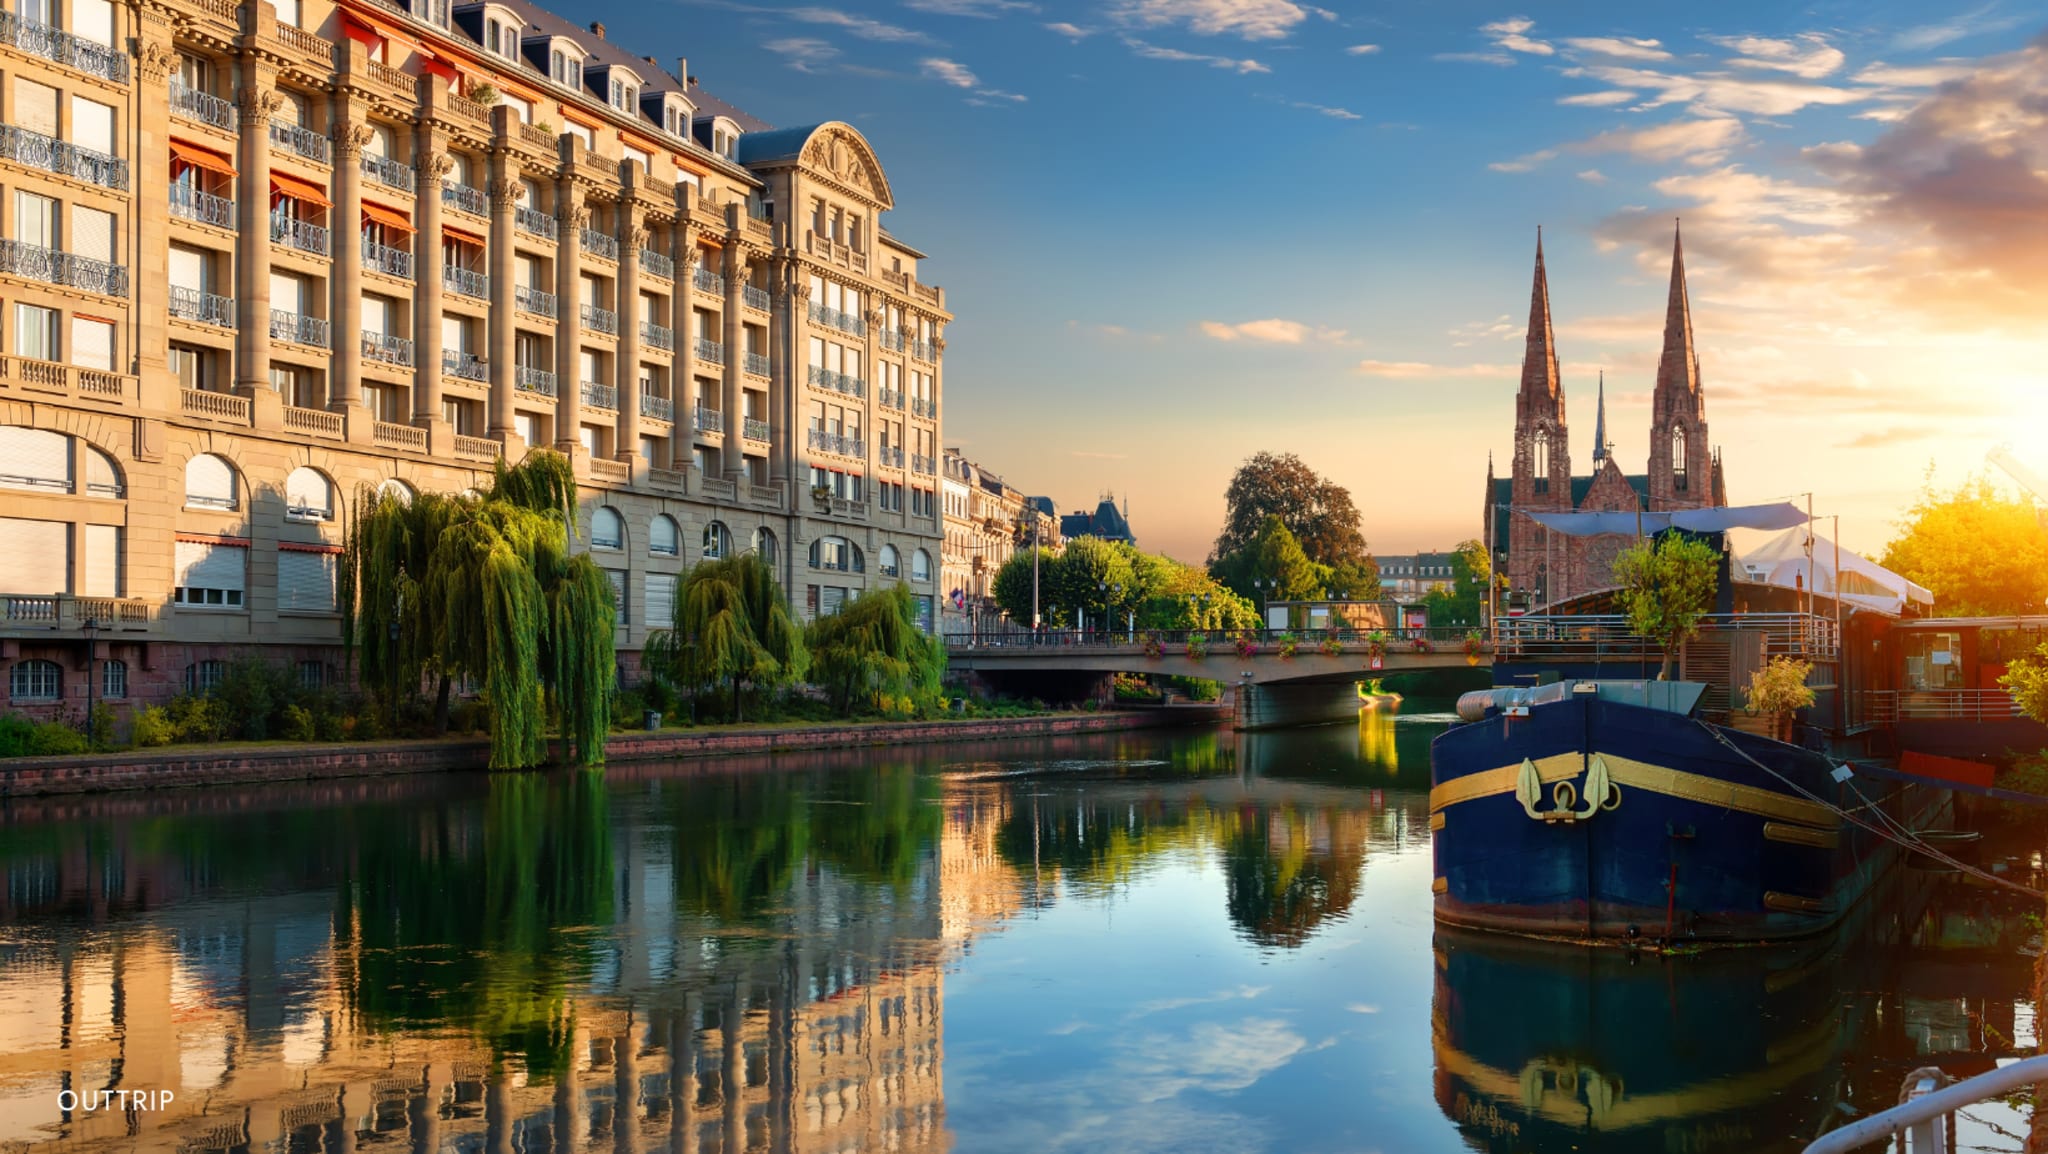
210	539
361	33
440	68
285	184
462	236
388	217
198	157
304	547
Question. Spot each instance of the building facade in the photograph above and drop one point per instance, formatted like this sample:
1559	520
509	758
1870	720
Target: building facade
1107	522
986	521
1411	576
256	259
1543	567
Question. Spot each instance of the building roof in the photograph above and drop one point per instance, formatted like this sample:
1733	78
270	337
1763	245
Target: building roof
1503	495
1106	522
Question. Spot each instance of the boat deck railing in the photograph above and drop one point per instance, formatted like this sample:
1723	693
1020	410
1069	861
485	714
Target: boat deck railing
1890	706
1594	637
1925	1116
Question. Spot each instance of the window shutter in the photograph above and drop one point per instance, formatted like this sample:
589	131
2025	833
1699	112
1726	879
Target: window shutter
661	601
831	598
102	476
92	344
35	457
305	581
92	233
188	271
211	481
287	293
37	558
102	561
93	20
618	579
35	107
307	489
662	537
92	123
210	565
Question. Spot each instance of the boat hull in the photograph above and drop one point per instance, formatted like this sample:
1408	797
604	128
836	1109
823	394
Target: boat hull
1703	835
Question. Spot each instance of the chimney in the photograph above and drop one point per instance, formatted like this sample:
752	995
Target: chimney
683	70
597	29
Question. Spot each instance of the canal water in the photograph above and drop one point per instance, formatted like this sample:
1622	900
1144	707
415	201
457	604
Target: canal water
1158	941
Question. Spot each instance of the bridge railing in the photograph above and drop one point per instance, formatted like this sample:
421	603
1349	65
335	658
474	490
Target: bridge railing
1264	642
1596	636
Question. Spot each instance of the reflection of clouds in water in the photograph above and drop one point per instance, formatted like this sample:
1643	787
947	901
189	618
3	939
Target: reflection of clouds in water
1213	1057
1164	1004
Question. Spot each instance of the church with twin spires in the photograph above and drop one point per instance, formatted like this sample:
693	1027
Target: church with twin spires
1542	567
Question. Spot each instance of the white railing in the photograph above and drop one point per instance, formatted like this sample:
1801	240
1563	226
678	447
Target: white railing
533	300
298	328
34	262
600	244
207	308
1594	636
299	235
1924	1117
387	349
653	406
462	196
534	221
710	352
708	281
388	172
600	396
658	336
62	157
387	260
531	380
657	264
709	420
464	366
1889	706
465	281
203	107
599	319
38	39
204	207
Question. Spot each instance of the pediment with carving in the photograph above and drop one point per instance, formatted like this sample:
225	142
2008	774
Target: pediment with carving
842	155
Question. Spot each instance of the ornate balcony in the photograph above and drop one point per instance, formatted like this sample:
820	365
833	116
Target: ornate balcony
658	336
710	352
302	142
756	363
207	308
462	196
61	157
34	262
598	319
533	220
599	244
890	455
466	282
539	382
298	328
203	207
709	420
924	350
923	464
600	396
387	260
754	298
708	281
889	398
756	429
386	349
657	264
845	322
38	39
890	339
203	107
299	235
533	300
825	441
464	366
659	407
824	378
389	173
919	407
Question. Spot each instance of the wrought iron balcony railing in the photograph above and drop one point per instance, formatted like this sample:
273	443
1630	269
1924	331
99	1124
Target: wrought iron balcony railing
462	196
658	407
298	328
599	319
709	420
600	244
657	264
51	266
845	322
207	308
390	173
464	366
757	364
465	281
203	107
204	207
528	379
600	396
710	352
299	235
756	429
533	300
62	157
301	141
387	349
534	221
658	336
39	39
708	281
387	260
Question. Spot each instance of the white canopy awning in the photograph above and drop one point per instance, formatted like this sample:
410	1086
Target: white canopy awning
1779	558
1782	515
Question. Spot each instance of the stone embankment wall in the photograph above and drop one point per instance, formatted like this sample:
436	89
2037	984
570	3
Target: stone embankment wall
234	766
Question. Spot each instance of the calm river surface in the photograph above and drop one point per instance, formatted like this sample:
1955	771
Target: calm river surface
1194	941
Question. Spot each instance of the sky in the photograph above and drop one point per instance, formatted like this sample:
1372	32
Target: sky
1178	232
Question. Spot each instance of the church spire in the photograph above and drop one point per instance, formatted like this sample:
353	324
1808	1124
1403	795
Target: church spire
1679	368
1600	445
1540	379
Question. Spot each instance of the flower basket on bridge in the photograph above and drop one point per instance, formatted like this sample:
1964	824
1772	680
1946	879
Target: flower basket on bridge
1475	645
1246	647
1154	648
1332	645
1376	644
1198	646
1289	643
1421	645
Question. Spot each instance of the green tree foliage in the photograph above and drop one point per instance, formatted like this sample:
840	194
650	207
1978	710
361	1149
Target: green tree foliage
443	586
872	653
2026	678
1667	585
1160	592
1013	586
1274	555
1317	511
732	628
1982	553
1464	602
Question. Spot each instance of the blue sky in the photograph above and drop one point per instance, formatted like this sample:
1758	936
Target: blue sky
1176	232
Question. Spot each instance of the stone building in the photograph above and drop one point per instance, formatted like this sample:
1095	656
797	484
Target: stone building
259	258
1107	522
1542	567
985	522
1410	576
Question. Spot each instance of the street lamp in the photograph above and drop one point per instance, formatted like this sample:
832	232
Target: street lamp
92	632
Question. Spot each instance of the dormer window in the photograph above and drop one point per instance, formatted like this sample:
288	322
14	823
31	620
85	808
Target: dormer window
566	68
725	138
676	119
501	37
625	94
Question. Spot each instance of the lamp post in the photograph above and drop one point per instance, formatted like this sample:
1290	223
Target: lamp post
92	633
1266	586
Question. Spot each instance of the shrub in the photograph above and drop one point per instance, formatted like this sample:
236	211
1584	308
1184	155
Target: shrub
195	718
1289	644
17	734
56	739
329	725
299	724
152	727
1780	687
1331	644
251	698
1198	646
99	725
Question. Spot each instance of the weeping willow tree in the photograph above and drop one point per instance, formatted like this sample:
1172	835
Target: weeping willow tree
486	587
732	628
872	653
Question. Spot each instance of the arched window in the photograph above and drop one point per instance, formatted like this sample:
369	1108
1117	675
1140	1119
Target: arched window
35	459
607	528
663	538
1539	460
102	474
837	554
717	542
210	483
1678	457
891	564
308	495
204	676
36	681
114	679
397	490
920	566
765	545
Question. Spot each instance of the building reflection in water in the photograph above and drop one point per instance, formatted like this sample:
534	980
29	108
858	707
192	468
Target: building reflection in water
658	960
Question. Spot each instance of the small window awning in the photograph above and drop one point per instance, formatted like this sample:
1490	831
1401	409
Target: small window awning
361	33
204	158
388	217
285	184
462	236
429	62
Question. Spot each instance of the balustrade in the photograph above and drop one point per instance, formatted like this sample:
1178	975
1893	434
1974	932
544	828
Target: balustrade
203	207
600	396
533	300
709	420
387	260
203	107
34	262
756	429
464	366
62	157
599	319
39	39
467	282
462	196
658	336
301	141
207	308
388	172
533	220
657	264
298	328
658	407
387	349
600	244
710	352
298	234
528	379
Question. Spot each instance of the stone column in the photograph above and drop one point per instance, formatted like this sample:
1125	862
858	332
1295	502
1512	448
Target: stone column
149	178
430	164
682	389
570	216
736	263
345	236
257	99
626	367
792	313
501	326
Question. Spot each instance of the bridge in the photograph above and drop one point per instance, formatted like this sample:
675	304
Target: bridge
1316	669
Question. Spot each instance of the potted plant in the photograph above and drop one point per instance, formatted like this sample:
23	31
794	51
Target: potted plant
822	494
485	94
1474	646
1332	643
1198	646
1421	645
1376	643
1289	643
1775	692
1246	646
1154	648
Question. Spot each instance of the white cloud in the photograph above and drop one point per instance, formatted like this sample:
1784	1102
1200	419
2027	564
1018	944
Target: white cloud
1362	50
1509	34
859	26
1721	91
1245	19
1335	113
1070	31
984	9
1598	99
803	53
1524	163
1702	141
1212	1058
1273	331
1620	47
1593	176
1155	52
1418	370
948	72
1915	76
1501	59
1809	56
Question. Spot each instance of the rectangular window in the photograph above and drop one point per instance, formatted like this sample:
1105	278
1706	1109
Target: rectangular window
92	233
210	575
92	344
288	12
188	271
35	107
583	133
35	220
102	561
93	20
661	600
35	332
37	559
376	315
305	581
527	427
618	579
188	364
